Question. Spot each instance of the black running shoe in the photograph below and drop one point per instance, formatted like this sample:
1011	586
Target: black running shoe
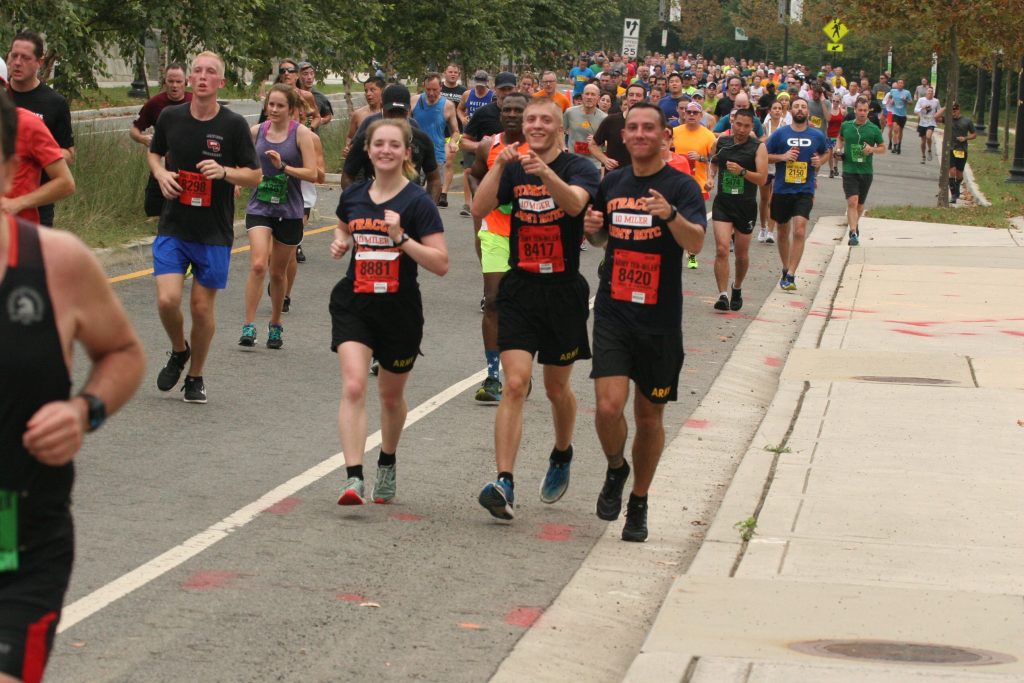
300	256
723	302
195	390
635	529
442	201
286	305
736	301
609	501
171	372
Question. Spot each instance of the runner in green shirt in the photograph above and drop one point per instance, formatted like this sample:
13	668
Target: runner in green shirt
859	141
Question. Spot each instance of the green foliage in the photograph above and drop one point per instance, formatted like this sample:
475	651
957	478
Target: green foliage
747	528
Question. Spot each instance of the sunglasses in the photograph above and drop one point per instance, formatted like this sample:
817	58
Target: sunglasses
287	70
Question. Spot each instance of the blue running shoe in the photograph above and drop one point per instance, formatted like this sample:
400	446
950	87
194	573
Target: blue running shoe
854	239
499	499
556	481
783	282
790	285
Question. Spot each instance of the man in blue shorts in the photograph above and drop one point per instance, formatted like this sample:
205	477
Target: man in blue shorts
208	151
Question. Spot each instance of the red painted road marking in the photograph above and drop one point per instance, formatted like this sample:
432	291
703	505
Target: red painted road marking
689	292
812	271
470	625
797	304
696	349
916	323
967	334
209	578
949	272
405	517
588	410
523	617
773	361
555	532
1015	333
915	333
854	310
696	424
283	506
350	597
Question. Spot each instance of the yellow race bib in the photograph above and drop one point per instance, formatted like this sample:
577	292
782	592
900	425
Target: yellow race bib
959	153
816	121
796	172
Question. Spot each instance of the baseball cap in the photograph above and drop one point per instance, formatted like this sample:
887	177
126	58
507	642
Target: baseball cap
395	96
699	93
481	76
687	74
505	79
694	106
3	70
305	65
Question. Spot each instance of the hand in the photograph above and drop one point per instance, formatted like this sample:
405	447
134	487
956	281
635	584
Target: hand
54	433
593	221
393	220
348	148
12	205
506	156
341	244
211	169
793	154
610	164
275	159
453	148
168	182
733	167
533	164
148	138
692	156
868	149
709	184
815	161
656	204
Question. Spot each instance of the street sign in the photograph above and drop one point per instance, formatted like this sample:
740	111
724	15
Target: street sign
630	37
835	30
935	71
834	47
741	34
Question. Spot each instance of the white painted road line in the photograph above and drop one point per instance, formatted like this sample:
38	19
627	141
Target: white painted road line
137	578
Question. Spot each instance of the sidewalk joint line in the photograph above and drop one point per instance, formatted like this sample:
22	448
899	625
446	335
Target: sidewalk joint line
691	669
974	375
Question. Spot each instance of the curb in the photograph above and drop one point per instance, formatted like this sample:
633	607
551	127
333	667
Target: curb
131	110
749	370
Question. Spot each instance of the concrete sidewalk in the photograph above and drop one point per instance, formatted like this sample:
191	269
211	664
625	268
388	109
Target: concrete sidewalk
886	482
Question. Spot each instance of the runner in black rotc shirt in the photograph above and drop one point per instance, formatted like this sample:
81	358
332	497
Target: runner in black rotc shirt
208	151
53	294
543	300
392	225
740	161
645	215
24	61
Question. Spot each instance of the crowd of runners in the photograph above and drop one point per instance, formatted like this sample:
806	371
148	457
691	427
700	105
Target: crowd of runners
617	154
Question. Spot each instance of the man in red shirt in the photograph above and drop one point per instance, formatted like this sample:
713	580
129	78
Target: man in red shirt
35	150
172	94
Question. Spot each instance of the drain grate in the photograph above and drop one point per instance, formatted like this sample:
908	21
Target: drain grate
898	651
903	380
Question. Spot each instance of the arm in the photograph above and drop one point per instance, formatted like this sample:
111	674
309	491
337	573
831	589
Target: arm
570	198
431	252
308	171
314	116
690	236
434	184
138	136
69	155
468	144
761	161
595	229
60	185
87	311
167	180
453	125
712	167
479	168
460	110
485	199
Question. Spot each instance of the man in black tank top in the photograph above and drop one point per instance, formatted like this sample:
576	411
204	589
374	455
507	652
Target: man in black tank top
52	293
740	161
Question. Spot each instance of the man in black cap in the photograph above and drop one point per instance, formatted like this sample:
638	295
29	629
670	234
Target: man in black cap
395	104
307	77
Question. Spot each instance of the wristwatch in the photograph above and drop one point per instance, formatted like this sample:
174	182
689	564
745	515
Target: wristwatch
97	410
403	239
743	172
672	216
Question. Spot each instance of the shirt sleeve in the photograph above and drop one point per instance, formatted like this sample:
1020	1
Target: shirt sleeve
507	182
583	173
159	143
62	131
344	201
722	125
690	201
145	119
43	146
429	157
473	128
426	219
601	135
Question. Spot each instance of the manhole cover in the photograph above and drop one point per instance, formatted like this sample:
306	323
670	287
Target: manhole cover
903	380
896	651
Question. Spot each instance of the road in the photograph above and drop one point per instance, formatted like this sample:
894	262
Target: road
210	547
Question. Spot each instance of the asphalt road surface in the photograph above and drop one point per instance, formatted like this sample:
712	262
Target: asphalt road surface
210	547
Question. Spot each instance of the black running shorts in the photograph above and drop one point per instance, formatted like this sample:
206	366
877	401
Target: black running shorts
653	361
742	213
287	231
390	324
857	184
545	318
957	162
785	206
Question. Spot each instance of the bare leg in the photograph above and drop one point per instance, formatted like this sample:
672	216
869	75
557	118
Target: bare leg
204	324
282	259
508	423
648	442
610	419
393	408
563	403
168	302
353	358
259	253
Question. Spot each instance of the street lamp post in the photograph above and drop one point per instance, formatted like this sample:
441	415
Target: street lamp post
1017	170
979	125
140	88
992	144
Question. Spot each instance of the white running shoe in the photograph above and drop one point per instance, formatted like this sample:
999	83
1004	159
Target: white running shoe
762	234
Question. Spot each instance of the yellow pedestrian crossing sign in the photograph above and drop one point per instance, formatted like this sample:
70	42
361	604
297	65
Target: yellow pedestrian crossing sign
835	47
835	30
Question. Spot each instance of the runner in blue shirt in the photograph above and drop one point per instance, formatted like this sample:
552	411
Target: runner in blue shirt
580	76
898	98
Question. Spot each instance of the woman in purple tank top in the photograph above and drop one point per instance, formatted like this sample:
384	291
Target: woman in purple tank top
273	217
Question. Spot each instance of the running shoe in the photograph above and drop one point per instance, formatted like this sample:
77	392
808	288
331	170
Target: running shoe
609	501
770	237
195	390
556	481
188	272
352	492
248	337
384	484
723	303
171	372
442	201
783	281
922	161
854	239
736	300
465	210
274	340
691	262
286	305
635	529
300	256
790	285
489	391
762	234
499	499
374	367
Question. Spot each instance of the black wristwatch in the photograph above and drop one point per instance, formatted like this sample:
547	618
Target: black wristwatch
97	411
672	216
403	239
743	172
